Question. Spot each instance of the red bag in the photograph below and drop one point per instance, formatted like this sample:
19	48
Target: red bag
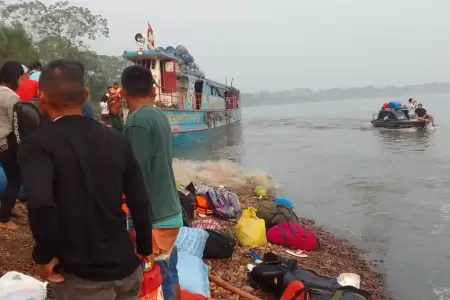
293	236
295	291
185	295
151	284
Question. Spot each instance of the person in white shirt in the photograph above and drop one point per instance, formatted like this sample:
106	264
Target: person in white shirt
104	111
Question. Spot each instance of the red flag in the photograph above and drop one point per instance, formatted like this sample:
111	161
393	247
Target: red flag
150	35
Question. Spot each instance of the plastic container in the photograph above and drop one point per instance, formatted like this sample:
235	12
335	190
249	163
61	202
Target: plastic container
349	279
395	104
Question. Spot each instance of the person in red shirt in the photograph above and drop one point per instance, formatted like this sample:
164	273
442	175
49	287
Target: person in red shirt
28	90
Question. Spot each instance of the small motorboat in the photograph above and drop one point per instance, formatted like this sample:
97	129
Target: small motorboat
397	118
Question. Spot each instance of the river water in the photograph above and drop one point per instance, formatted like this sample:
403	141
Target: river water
387	191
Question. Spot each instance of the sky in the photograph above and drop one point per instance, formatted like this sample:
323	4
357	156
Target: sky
289	44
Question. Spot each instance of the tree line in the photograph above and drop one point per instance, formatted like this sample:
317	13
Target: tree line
32	30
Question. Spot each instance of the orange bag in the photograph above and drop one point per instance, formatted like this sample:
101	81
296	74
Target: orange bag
295	291
202	206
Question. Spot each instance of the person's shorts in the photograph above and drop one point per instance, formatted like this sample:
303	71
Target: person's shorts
169	274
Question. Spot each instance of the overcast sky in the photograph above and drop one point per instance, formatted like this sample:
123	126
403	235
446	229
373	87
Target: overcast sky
288	44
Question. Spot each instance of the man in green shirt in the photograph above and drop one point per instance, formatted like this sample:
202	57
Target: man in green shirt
149	132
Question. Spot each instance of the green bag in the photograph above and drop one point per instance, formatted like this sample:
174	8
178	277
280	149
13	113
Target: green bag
274	214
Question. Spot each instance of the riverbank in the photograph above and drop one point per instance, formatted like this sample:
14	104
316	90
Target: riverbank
335	256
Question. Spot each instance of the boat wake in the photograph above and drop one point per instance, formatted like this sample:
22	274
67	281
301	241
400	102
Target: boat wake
317	124
221	172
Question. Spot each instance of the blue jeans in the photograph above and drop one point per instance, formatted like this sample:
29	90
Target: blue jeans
169	274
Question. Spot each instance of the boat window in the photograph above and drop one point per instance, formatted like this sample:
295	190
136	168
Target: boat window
147	63
382	114
399	114
169	66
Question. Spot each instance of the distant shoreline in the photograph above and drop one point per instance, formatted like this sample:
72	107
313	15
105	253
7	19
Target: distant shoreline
391	93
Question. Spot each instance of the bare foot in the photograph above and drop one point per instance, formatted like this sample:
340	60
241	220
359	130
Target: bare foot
17	213
8	225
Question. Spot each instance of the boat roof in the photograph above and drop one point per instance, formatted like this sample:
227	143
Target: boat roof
148	54
133	55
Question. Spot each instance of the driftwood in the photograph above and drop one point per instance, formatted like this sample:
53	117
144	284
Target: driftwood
220	282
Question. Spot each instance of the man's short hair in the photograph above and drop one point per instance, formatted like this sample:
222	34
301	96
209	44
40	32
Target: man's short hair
35	65
137	81
63	81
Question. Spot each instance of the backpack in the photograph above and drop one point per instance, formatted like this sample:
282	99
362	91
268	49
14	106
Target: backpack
274	214
225	203
218	245
26	117
187	207
318	287
268	275
293	236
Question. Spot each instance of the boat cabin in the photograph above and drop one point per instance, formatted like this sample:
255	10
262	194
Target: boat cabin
182	86
395	114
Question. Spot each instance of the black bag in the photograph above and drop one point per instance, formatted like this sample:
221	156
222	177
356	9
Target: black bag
187	199
268	275
218	245
187	208
323	288
26	117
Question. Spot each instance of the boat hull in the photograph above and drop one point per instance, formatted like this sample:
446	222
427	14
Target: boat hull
399	124
192	126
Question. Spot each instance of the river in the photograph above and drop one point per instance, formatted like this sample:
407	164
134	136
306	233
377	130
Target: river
387	191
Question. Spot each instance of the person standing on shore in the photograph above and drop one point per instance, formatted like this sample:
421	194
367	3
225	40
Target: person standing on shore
149	133
74	172
11	76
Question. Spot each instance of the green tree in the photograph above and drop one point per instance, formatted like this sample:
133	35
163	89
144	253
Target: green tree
62	30
61	20
15	44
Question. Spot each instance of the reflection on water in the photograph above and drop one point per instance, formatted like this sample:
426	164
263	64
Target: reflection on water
224	144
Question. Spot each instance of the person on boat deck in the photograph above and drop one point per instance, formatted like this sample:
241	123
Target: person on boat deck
149	132
11	76
74	172
422	114
114	107
411	108
104	106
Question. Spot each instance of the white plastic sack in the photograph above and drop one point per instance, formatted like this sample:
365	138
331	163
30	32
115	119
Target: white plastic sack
17	286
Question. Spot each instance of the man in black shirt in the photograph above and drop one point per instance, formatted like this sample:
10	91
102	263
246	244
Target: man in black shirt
422	113
74	172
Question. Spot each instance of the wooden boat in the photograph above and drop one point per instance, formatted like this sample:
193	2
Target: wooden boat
196	106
